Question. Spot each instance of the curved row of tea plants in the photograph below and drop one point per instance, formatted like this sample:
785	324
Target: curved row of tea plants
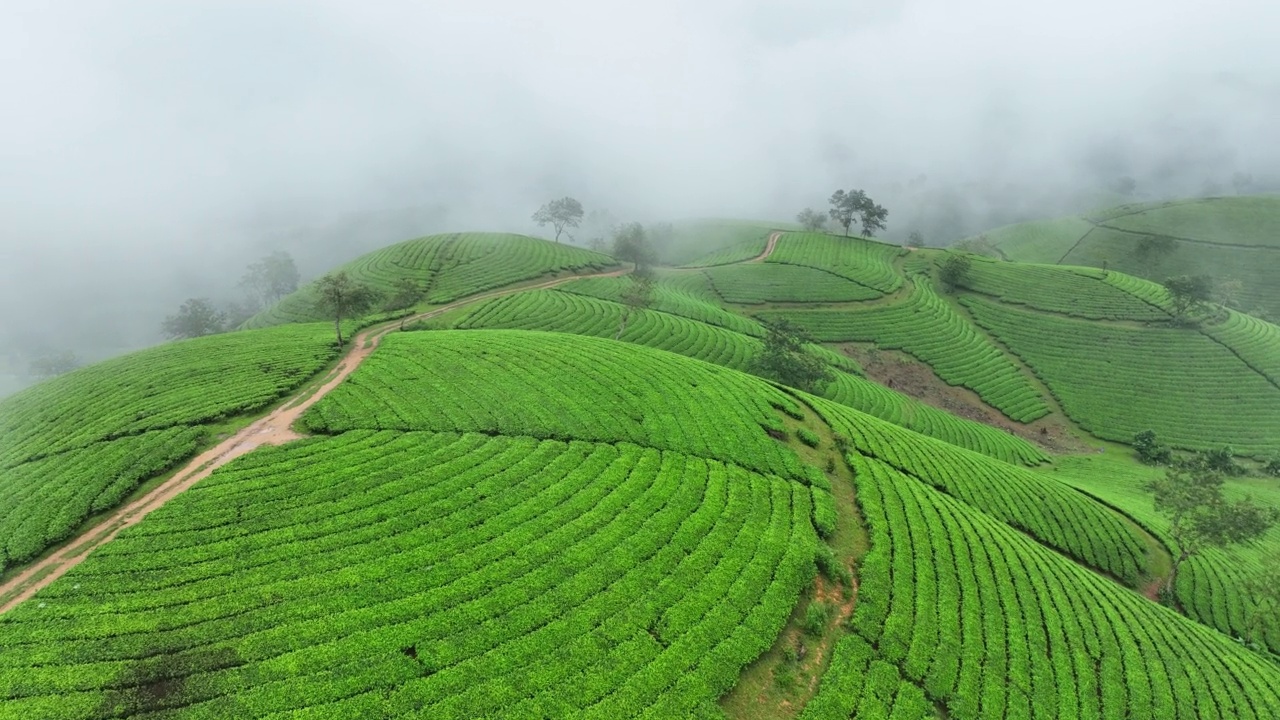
1255	341
857	684
927	327
865	262
1076	291
423	575
78	444
771	282
550	385
1117	381
667	297
181	383
1213	586
45	500
1051	512
446	268
724	242
552	310
996	626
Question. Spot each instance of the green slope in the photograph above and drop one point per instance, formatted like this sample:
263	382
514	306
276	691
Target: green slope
445	267
1230	238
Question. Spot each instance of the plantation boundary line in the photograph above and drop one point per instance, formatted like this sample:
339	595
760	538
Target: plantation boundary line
1076	244
275	428
1194	241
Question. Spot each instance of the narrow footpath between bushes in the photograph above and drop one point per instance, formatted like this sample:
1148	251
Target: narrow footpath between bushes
275	428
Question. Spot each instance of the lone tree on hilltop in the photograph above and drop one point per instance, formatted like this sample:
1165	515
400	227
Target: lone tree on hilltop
344	297
1154	248
955	271
1189	292
635	298
631	244
197	317
811	220
786	359
560	214
270	279
1200	517
848	205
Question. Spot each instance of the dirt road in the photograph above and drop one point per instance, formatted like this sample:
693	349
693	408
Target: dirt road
275	428
768	248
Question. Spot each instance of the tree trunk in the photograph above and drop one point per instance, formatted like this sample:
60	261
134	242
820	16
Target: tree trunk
337	326
623	327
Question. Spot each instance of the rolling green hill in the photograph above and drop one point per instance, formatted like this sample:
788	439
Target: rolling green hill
540	503
1230	238
445	267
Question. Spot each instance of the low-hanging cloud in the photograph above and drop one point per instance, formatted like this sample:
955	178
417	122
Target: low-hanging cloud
150	149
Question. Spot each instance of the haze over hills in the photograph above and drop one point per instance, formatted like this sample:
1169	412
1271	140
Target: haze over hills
531	495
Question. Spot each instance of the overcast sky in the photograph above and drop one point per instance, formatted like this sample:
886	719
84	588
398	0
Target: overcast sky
145	144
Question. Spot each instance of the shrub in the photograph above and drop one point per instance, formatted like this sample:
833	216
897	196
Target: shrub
816	617
808	437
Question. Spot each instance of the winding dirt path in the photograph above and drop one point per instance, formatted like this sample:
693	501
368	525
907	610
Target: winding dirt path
275	428
768	248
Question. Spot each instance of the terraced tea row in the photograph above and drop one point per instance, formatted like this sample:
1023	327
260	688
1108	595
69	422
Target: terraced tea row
1255	341
183	383
446	268
669	298
513	383
1079	292
710	243
857	685
424	575
1053	513
925	326
556	311
996	626
1117	381
770	282
44	501
865	262
1213	587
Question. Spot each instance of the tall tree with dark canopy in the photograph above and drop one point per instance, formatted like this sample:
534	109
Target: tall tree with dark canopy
1188	292
631	244
343	297
636	297
786	359
954	270
560	214
271	278
846	206
1200	517
197	317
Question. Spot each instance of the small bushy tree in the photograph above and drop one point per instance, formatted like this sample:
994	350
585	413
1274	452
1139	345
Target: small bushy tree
407	293
270	279
1189	292
954	271
786	359
915	239
560	214
811	220
636	297
1264	590
341	296
631	244
1200	517
1149	449
197	317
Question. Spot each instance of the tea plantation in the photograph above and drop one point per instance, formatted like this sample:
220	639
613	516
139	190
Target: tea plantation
554	502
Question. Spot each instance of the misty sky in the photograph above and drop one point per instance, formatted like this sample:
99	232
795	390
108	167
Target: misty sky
149	150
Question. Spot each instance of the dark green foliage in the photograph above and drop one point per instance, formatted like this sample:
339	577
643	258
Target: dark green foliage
1151	249
786	359
808	437
48	366
1200	517
343	297
631	244
196	318
1189	292
1264	612
270	279
407	292
954	270
560	214
1272	467
1149	450
848	205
